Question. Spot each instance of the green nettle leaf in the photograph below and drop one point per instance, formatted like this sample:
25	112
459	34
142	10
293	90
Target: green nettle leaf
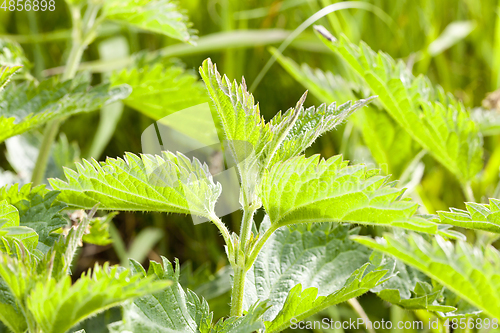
389	144
26	106
160	16
6	73
477	216
177	310
10	313
38	210
434	119
167	183
10	229
300	304
98	232
316	190
12	54
303	269
409	288
240	120
58	305
170	310
471	273
160	91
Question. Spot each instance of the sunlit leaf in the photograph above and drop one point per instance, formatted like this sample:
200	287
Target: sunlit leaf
167	183
160	16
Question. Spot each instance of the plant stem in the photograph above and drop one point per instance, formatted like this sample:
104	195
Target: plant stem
49	136
259	245
75	56
240	269
224	231
469	194
238	291
52	128
361	313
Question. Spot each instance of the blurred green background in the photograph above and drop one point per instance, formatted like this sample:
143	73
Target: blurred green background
456	43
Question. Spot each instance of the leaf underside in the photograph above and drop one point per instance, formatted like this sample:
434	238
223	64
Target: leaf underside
303	269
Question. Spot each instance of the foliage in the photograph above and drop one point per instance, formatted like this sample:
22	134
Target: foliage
180	89
477	216
11	230
302	270
436	120
467	271
38	211
314	187
171	183
38	287
26	106
160	16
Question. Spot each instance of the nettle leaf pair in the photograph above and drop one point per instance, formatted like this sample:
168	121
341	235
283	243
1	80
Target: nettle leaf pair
319	265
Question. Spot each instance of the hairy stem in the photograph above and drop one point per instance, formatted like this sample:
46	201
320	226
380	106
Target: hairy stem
240	269
259	245
78	45
238	291
224	231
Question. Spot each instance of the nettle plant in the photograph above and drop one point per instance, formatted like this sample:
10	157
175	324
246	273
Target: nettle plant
305	254
297	263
